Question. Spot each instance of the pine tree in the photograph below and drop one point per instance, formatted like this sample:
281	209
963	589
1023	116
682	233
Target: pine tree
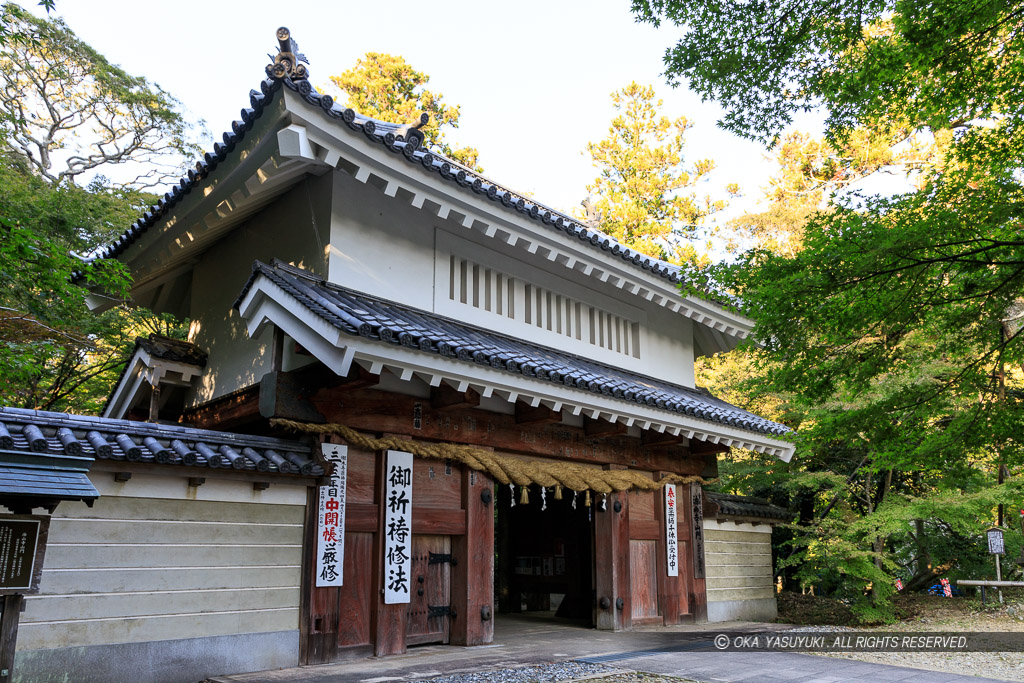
643	195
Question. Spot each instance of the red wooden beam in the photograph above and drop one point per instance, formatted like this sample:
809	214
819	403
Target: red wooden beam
226	412
373	410
652	439
526	414
598	428
445	396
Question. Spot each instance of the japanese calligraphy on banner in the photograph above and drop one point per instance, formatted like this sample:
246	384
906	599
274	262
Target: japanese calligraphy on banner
330	540
671	530
397	527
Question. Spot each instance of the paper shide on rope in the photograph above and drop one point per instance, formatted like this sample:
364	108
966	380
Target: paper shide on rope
505	469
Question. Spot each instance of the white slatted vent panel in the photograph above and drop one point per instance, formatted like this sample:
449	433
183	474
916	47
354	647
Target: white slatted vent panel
490	290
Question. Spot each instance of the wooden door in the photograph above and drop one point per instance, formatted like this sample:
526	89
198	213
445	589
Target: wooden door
429	613
643	579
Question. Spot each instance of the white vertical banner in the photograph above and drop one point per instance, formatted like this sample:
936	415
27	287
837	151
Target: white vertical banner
671	530
330	538
397	527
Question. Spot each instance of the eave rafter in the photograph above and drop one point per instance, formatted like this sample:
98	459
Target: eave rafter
265	304
370	164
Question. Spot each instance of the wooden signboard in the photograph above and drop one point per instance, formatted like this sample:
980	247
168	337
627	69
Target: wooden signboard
22	546
671	530
330	540
397	528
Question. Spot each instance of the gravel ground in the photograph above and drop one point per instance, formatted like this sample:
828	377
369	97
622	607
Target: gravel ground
640	677
1002	665
564	671
1007	666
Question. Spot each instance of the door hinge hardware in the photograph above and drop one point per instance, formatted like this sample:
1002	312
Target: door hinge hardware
440	611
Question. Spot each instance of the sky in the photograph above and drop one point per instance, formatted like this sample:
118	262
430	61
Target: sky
533	78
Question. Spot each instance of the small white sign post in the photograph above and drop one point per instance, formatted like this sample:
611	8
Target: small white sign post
330	539
996	547
671	530
397	527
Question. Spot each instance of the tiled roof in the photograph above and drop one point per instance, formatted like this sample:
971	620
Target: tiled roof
59	434
746	506
44	484
360	315
163	348
404	140
176	350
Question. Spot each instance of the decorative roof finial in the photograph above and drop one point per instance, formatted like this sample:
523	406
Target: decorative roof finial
289	61
593	216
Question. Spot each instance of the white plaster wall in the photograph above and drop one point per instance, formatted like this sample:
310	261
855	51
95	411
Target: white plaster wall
669	347
380	245
383	246
154	560
739	571
293	229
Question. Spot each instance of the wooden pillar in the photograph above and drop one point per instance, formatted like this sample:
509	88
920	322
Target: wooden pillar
9	634
154	402
473	576
611	558
318	609
669	587
692	496
389	622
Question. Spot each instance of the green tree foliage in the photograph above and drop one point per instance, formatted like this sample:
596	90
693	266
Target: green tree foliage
78	217
66	111
67	114
11	17
388	88
892	323
641	196
811	171
937	64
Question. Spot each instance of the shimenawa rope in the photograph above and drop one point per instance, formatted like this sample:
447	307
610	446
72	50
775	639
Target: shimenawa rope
504	469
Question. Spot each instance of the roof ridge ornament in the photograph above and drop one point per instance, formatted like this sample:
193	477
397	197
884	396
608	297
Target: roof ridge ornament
412	133
289	62
593	218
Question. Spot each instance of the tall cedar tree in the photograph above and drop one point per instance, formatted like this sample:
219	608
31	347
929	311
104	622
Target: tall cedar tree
641	196
388	88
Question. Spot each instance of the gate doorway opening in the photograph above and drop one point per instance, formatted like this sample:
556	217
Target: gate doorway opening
544	559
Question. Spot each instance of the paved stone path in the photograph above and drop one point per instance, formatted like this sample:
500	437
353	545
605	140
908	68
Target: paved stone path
523	640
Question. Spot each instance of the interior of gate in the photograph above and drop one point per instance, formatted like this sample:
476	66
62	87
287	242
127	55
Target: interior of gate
605	565
452	552
544	560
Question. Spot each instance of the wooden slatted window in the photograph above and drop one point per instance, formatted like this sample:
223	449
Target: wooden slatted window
490	290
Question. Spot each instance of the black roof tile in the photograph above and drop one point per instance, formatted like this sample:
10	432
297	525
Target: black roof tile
407	141
176	350
387	322
729	505
85	438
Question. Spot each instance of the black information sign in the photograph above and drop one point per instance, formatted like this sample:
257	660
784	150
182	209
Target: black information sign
22	540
